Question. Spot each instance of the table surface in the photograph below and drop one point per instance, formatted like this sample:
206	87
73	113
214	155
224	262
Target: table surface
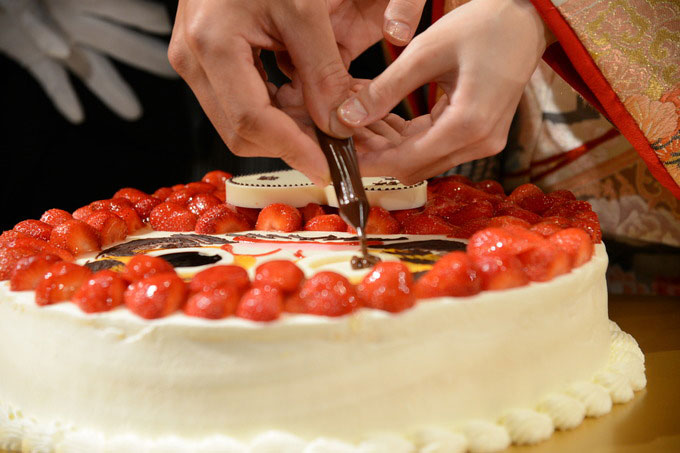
650	423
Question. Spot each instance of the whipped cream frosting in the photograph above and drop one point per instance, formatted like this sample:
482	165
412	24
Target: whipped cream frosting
452	374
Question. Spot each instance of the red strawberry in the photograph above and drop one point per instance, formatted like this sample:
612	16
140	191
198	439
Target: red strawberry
216	276
130	194
471	227
326	222
34	228
568	209
220	195
144	207
388	286
472	211
507	220
202	202
564	194
103	291
539	203
279	217
172	217
260	304
402	214
37	245
462	193
10	257
251	214
544	262
590	227
8	238
75	236
112	205
310	211
156	296
30	270
61	282
55	217
511	209
216	303
110	227
144	266
217	178
561	222
219	220
162	193
441	206
490	186
452	276
576	243
201	187
524	191
428	224
496	241
451	178
545	229
328	294
131	219
83	213
380	221
281	274
499	271
181	197
177	187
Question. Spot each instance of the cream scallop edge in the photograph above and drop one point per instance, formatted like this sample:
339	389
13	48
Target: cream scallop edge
615	383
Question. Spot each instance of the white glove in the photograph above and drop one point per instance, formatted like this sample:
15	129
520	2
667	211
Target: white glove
49	36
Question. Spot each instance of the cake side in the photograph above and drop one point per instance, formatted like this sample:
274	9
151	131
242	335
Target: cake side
307	375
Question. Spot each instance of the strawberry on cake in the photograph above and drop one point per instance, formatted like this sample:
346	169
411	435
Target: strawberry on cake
215	317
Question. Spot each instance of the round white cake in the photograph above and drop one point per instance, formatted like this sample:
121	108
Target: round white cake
449	375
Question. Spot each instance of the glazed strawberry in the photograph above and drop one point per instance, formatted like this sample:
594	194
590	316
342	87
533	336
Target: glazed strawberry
181	197
568	209
388	286
450	178
472	211
220	195
144	207
380	221
471	227
217	178
428	224
83	213
216	276
110	227
130	194
561	222
328	294
10	257
8	238
545	229
201	187
539	203
524	191
592	228
545	262
507	220
310	211
162	193
262	304
103	291
37	245
55	217
177	187
499	271
511	209
172	217
112	205
462	193
34	228
30	270
61	282
281	274
143	266
496	241
441	206
75	236
216	303
202	202
490	186
452	276
564	194
251	214
326	222
576	243
402	214
156	296
219	220
279	217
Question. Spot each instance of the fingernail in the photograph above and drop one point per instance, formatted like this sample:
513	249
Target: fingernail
352	112
398	30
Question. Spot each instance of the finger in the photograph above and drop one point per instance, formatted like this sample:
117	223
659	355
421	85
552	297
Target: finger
47	39
54	80
243	97
412	69
142	14
401	20
383	129
314	52
102	78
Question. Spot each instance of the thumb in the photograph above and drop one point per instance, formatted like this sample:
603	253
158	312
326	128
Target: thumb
416	66
310	41
401	20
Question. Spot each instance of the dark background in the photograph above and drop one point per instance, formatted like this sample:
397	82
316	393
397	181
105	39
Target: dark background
47	162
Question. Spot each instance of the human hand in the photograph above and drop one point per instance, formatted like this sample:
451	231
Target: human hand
481	55
215	47
47	38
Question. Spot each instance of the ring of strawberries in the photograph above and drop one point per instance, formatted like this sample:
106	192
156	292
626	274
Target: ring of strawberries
512	240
